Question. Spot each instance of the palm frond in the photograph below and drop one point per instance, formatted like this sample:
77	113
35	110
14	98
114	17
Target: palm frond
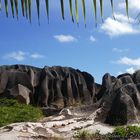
47	9
77	14
71	10
0	5
30	11
23	7
62	9
126	1
16	6
12	7
101	8
84	11
112	6
95	10
26	7
38	10
6	7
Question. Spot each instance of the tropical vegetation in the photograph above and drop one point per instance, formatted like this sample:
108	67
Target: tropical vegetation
26	7
11	112
120	132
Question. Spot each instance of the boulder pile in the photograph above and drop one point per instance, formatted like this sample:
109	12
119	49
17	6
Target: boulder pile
116	100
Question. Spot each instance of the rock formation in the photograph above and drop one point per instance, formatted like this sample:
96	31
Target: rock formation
48	87
116	100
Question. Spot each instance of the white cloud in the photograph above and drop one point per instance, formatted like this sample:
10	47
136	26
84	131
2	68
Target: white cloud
134	64
120	50
92	39
131	70
36	56
129	61
21	56
65	38
133	4
119	73
120	26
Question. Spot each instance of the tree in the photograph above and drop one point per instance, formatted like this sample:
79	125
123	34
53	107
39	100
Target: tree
26	7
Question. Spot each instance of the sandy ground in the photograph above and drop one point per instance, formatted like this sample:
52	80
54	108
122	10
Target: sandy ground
65	125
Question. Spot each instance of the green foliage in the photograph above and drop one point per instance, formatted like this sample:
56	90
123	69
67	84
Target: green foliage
82	134
126	132
118	133
11	111
85	135
27	6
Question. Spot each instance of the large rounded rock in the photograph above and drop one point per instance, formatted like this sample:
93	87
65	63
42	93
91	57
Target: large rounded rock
21	93
11	78
136	77
120	105
126	79
132	91
107	82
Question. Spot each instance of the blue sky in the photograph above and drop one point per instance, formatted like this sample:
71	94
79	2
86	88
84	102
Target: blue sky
112	46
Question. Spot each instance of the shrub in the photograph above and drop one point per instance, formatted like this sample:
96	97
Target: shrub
121	132
84	134
11	112
126	132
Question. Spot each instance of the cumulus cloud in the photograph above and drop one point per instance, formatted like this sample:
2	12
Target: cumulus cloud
21	56
129	61
120	50
120	26
36	56
131	70
92	38
119	73
134	64
65	38
133	4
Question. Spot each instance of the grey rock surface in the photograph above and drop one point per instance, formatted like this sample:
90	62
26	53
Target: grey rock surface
116	101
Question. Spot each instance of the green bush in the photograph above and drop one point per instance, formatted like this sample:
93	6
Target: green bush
118	133
11	112
126	132
84	134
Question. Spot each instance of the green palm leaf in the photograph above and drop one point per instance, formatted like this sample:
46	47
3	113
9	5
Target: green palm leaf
112	6
126	1
77	15
22	6
12	7
47	9
71	10
38	10
95	10
16	6
62	8
26	8
30	10
101	8
0	5
6	7
84	11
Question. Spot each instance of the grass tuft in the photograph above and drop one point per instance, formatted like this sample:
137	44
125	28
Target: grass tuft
11	112
128	132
